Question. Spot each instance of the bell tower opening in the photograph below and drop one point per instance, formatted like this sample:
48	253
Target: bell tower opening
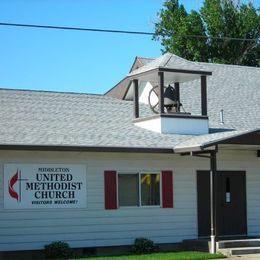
158	84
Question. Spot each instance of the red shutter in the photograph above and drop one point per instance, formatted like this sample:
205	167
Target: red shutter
110	190
167	189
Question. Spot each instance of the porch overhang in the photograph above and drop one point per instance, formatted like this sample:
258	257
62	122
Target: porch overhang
197	144
200	145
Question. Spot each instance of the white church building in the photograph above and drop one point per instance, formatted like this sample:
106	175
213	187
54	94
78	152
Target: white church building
171	153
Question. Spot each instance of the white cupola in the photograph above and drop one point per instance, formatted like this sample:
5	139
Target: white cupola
158	84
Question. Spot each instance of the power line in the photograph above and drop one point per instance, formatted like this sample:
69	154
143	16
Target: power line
119	31
74	28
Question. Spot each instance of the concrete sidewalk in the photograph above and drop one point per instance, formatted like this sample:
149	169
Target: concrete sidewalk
244	257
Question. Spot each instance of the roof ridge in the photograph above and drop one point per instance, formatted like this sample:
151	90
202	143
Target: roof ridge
51	91
228	65
139	57
210	63
171	55
202	62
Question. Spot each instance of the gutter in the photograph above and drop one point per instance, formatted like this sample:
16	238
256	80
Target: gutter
86	148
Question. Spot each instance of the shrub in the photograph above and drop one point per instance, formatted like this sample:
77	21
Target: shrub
143	246
57	250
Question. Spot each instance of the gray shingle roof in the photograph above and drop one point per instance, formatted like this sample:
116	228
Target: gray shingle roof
195	143
119	90
144	61
169	61
235	89
66	119
69	119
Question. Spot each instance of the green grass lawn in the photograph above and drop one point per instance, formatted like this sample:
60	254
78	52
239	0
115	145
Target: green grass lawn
162	256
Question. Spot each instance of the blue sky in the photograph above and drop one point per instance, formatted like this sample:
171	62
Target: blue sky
75	61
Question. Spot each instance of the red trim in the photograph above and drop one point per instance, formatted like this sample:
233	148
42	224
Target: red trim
167	189
110	190
12	182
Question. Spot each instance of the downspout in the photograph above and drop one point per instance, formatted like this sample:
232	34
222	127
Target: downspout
213	201
213	195
213	192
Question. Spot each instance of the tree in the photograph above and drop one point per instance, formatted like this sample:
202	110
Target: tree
211	34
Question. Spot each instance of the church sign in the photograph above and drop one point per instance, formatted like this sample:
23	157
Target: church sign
30	186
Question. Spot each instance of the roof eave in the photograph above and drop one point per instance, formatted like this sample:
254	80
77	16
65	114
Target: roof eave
85	148
163	69
200	72
203	146
188	149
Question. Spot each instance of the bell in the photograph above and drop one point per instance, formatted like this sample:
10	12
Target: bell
170	97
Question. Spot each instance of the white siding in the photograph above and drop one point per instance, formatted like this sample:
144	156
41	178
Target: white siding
176	125
94	226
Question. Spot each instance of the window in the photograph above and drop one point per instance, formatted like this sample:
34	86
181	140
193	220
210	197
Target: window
128	190
150	189
140	189
228	194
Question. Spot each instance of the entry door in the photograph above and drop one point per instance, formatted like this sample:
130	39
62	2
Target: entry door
231	203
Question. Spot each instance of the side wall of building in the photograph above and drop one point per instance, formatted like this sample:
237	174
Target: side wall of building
94	226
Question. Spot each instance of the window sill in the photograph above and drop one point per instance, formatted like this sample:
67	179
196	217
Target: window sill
140	207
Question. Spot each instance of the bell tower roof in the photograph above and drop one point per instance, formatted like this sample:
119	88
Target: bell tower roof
176	69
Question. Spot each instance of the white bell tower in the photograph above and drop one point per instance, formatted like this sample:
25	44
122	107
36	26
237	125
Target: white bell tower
159	84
